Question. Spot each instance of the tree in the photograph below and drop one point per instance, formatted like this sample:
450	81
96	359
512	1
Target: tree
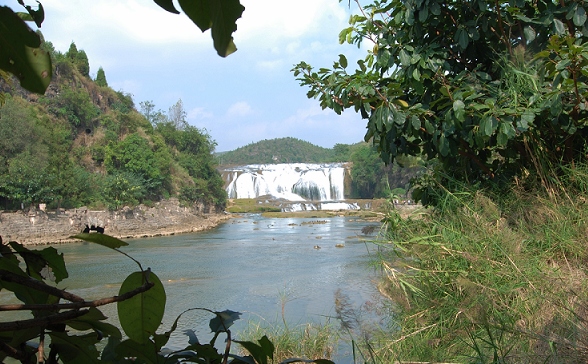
133	155
367	171
177	115
101	78
82	63
72	52
75	105
489	89
21	53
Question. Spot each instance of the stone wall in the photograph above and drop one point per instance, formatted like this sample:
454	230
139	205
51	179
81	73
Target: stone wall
164	218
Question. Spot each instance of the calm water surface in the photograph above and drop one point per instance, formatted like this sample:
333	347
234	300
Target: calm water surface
252	265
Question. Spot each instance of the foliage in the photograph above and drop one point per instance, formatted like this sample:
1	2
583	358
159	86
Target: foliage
489	277
490	89
74	104
134	155
367	172
280	150
79	332
20	52
101	78
83	144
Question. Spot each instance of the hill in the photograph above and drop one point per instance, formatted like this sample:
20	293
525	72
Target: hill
280	150
84	144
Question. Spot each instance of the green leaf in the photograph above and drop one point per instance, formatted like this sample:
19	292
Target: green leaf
219	16
435	9
559	27
530	33
528	117
343	61
167	5
102	239
223	320
262	352
579	16
20	53
75	349
56	262
92	321
416	123
462	38
141	315
416	74
199	11
404	58
145	353
443	145
459	110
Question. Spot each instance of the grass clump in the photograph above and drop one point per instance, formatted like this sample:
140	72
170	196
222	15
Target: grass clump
309	341
489	278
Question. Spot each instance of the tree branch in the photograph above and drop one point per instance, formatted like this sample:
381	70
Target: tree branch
38	285
41	321
77	305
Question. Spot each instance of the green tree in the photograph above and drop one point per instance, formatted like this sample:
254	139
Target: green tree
134	155
75	105
72	52
29	180
82	63
367	172
490	89
101	78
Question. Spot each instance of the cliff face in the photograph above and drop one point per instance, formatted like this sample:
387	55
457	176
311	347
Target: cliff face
164	218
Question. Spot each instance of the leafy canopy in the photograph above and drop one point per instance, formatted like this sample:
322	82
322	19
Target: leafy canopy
489	89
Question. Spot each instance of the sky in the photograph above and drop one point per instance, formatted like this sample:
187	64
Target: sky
246	97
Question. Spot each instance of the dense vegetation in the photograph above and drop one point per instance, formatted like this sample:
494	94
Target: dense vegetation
82	143
280	150
492	95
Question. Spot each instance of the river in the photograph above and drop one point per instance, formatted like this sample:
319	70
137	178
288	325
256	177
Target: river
251	264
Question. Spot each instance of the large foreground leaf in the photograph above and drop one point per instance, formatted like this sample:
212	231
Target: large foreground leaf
102	239
218	15
141	315
20	53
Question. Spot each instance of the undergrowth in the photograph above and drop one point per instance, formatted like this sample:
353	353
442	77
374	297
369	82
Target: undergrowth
489	278
308	341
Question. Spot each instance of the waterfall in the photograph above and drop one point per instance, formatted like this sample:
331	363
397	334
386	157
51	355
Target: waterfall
292	181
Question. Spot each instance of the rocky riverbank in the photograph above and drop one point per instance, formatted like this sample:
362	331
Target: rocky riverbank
54	227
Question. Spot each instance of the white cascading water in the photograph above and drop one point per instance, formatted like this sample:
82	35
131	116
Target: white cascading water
292	181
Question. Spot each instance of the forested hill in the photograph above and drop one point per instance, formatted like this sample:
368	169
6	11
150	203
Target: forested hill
84	144
283	150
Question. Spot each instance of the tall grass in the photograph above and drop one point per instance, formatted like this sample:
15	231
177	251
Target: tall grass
489	278
309	341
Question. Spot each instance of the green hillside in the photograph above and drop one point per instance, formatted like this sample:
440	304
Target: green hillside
82	143
281	150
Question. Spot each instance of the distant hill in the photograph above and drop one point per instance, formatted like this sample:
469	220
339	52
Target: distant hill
281	150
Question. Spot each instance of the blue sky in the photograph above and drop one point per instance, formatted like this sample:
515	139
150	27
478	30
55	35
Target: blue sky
249	96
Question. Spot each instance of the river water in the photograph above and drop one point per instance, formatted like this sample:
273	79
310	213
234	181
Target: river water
251	264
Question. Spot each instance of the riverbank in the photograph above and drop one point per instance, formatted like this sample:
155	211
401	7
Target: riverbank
56	227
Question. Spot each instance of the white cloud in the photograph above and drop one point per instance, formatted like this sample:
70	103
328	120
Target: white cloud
119	21
199	113
239	109
271	65
269	22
